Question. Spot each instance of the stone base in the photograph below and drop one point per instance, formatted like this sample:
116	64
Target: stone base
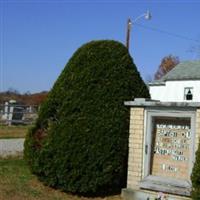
130	194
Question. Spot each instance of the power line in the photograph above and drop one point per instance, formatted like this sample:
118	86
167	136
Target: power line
167	33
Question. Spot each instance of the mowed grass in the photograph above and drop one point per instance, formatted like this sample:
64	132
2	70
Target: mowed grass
17	183
13	131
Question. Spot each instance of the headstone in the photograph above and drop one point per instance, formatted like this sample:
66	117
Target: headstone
17	115
5	112
13	114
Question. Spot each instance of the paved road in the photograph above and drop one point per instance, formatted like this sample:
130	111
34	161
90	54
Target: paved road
11	147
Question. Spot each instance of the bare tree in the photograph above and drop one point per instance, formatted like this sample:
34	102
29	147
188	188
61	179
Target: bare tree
195	50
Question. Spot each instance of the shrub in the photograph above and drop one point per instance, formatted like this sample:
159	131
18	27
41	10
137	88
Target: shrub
80	141
195	177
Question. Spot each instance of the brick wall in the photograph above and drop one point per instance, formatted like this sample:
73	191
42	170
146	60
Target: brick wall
136	134
197	129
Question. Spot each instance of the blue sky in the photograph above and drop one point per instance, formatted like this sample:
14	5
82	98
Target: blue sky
39	36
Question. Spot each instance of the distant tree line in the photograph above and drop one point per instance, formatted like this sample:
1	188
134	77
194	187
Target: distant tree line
26	98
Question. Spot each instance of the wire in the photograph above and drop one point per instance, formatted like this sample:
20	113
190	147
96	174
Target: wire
167	33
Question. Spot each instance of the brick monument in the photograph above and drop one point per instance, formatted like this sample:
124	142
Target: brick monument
163	139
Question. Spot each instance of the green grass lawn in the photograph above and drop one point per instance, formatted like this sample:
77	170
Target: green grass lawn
17	183
13	131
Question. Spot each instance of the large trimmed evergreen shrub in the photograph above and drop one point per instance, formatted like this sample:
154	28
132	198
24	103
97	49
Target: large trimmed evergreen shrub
80	141
196	177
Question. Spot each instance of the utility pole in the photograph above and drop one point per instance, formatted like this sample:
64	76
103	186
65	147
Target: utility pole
146	15
128	33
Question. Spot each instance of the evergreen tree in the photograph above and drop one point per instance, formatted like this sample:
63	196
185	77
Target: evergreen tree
195	177
80	141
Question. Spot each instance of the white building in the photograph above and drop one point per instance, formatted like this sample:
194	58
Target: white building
181	84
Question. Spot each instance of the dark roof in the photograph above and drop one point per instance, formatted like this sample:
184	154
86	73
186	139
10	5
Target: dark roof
188	70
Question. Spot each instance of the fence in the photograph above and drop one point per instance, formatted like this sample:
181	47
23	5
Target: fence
15	114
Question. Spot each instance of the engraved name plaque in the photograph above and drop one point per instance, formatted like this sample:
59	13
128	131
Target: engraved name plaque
171	148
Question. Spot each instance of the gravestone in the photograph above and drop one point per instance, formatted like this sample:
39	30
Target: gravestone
162	143
17	115
13	113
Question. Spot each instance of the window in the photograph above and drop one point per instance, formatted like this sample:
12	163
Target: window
188	93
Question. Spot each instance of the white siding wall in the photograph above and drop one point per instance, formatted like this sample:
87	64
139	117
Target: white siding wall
174	91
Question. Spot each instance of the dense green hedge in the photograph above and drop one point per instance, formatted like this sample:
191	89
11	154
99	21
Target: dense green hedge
79	142
196	177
